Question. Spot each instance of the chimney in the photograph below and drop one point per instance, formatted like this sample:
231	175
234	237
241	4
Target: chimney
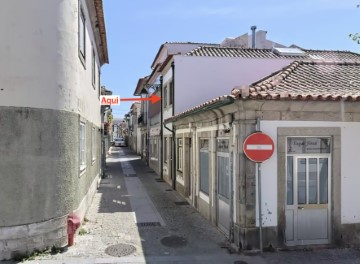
253	28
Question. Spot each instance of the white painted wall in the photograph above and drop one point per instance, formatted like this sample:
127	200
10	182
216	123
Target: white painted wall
39	65
350	178
167	112
199	79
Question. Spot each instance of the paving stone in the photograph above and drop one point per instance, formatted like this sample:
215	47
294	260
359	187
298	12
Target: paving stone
111	223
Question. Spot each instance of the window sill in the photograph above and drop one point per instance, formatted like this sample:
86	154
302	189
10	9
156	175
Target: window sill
82	59
82	170
204	197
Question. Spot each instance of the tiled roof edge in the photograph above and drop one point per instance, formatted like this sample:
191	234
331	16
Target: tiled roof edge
192	110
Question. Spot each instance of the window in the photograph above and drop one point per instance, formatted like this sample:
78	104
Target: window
308	145
165	149
180	155
82	38
204	166
99	87
93	72
165	96
151	147
171	92
93	144
307	170
155	152
82	146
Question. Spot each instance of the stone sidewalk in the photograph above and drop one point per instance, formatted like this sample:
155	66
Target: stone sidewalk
135	219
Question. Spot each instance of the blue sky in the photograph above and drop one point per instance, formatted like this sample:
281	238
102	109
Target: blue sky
137	28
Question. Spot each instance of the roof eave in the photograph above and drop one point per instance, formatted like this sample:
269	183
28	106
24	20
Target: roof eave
216	104
102	30
140	85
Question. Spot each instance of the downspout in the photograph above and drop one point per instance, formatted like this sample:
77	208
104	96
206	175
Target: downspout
232	177
161	129
173	131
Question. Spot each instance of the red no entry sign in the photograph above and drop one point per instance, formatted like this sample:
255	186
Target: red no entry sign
258	147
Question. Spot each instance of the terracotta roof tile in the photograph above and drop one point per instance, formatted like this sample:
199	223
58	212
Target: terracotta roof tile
268	53
310	80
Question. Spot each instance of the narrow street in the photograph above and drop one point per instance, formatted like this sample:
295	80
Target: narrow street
134	218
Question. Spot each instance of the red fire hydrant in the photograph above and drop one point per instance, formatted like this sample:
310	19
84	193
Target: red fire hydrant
73	223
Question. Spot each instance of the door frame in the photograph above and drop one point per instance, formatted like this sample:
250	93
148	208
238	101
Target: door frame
292	129
295	204
217	195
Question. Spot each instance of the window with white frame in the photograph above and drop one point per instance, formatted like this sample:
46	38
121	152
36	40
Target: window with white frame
82	34
180	154
204	165
99	86
156	148
151	146
82	146
171	92
93	144
165	96
93	69
165	150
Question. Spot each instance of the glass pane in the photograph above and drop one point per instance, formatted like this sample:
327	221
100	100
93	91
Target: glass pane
305	145
323	164
82	34
301	174
295	145
290	183
222	145
313	170
223	176
204	172
204	144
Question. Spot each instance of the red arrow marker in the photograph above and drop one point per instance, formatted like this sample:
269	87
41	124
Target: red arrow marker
153	98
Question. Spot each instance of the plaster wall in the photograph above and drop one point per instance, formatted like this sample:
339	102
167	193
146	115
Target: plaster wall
350	143
45	90
199	79
40	66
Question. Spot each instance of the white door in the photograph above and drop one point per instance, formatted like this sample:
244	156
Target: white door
308	200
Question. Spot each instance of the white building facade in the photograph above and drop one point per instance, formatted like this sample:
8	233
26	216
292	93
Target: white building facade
308	186
50	112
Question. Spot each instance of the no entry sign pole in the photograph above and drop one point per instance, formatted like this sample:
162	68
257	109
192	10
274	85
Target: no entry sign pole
260	214
259	147
259	195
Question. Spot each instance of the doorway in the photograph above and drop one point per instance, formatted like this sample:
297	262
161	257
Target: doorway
308	195
223	185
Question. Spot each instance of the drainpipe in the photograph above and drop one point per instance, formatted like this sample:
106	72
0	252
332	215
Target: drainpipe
232	183
173	131
253	44
161	129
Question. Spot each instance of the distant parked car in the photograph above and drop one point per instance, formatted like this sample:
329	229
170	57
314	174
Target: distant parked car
119	142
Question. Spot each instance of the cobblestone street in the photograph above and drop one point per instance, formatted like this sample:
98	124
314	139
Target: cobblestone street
135	219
